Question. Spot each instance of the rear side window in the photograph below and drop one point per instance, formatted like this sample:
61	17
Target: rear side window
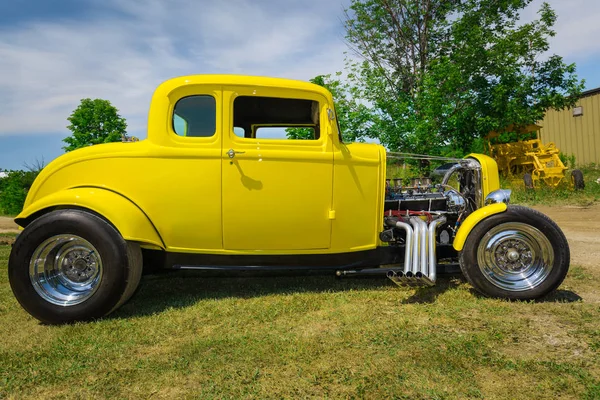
195	116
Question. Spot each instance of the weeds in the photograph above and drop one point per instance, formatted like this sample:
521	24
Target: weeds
564	194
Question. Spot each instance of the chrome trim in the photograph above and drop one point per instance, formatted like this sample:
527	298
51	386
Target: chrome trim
231	153
473	165
498	196
449	173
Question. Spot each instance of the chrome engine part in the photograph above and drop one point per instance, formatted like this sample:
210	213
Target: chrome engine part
414	214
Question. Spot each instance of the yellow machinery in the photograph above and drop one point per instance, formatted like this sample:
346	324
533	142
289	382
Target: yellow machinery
528	159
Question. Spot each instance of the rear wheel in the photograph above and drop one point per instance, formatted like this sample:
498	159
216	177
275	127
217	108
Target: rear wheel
518	254
71	265
577	179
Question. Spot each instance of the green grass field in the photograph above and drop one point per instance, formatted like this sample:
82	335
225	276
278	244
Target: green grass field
187	336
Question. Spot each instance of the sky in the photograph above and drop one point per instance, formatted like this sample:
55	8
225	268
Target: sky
55	53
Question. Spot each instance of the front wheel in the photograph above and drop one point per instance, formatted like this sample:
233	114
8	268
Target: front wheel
518	254
71	265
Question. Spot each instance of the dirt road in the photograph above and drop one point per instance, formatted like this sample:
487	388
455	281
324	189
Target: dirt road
7	225
580	225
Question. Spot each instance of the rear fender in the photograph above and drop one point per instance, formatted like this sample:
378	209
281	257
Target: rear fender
126	216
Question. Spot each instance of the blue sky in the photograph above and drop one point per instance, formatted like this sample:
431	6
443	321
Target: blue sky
54	53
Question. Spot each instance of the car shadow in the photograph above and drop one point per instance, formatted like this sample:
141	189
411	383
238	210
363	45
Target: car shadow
429	294
560	296
163	291
557	296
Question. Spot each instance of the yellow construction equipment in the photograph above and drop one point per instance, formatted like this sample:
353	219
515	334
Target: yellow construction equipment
530	159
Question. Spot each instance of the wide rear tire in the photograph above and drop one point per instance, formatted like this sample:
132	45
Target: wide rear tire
71	265
518	254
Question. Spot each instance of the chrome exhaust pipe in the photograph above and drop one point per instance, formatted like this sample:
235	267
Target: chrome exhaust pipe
408	250
424	279
432	251
414	221
398	278
420	253
392	276
409	279
423	244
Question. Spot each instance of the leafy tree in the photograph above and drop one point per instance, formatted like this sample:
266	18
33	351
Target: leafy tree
440	74
353	116
94	122
13	190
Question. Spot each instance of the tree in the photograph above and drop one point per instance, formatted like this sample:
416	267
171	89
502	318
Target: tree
354	117
439	74
13	191
15	186
94	122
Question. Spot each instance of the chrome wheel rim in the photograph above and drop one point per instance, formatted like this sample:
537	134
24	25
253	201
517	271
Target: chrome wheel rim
65	270
515	256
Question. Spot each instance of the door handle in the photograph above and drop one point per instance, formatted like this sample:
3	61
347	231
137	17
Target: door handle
231	153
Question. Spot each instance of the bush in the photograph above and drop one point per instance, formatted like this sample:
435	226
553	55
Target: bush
13	191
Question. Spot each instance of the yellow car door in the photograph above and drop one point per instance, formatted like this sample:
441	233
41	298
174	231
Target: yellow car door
276	191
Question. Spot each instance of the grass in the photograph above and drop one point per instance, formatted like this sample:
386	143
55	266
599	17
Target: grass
563	194
187	336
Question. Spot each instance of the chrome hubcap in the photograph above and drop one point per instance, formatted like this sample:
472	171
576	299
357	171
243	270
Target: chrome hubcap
515	256
65	270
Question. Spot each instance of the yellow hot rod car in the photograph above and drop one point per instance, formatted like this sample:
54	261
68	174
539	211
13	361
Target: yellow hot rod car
216	185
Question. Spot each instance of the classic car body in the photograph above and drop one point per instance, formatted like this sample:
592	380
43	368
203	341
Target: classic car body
213	185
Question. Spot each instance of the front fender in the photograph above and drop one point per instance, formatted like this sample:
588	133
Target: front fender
476	217
124	214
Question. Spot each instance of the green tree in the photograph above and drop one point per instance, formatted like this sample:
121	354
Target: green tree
94	122
13	190
440	74
353	116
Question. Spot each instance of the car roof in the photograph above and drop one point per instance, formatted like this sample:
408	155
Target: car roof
245	80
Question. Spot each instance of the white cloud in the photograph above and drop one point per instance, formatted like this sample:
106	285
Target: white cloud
131	46
47	67
577	28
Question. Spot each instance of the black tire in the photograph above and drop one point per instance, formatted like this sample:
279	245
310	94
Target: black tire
134	273
528	180
517	231
577	179
117	263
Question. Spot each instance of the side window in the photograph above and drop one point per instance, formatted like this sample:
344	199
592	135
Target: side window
195	116
257	117
282	133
